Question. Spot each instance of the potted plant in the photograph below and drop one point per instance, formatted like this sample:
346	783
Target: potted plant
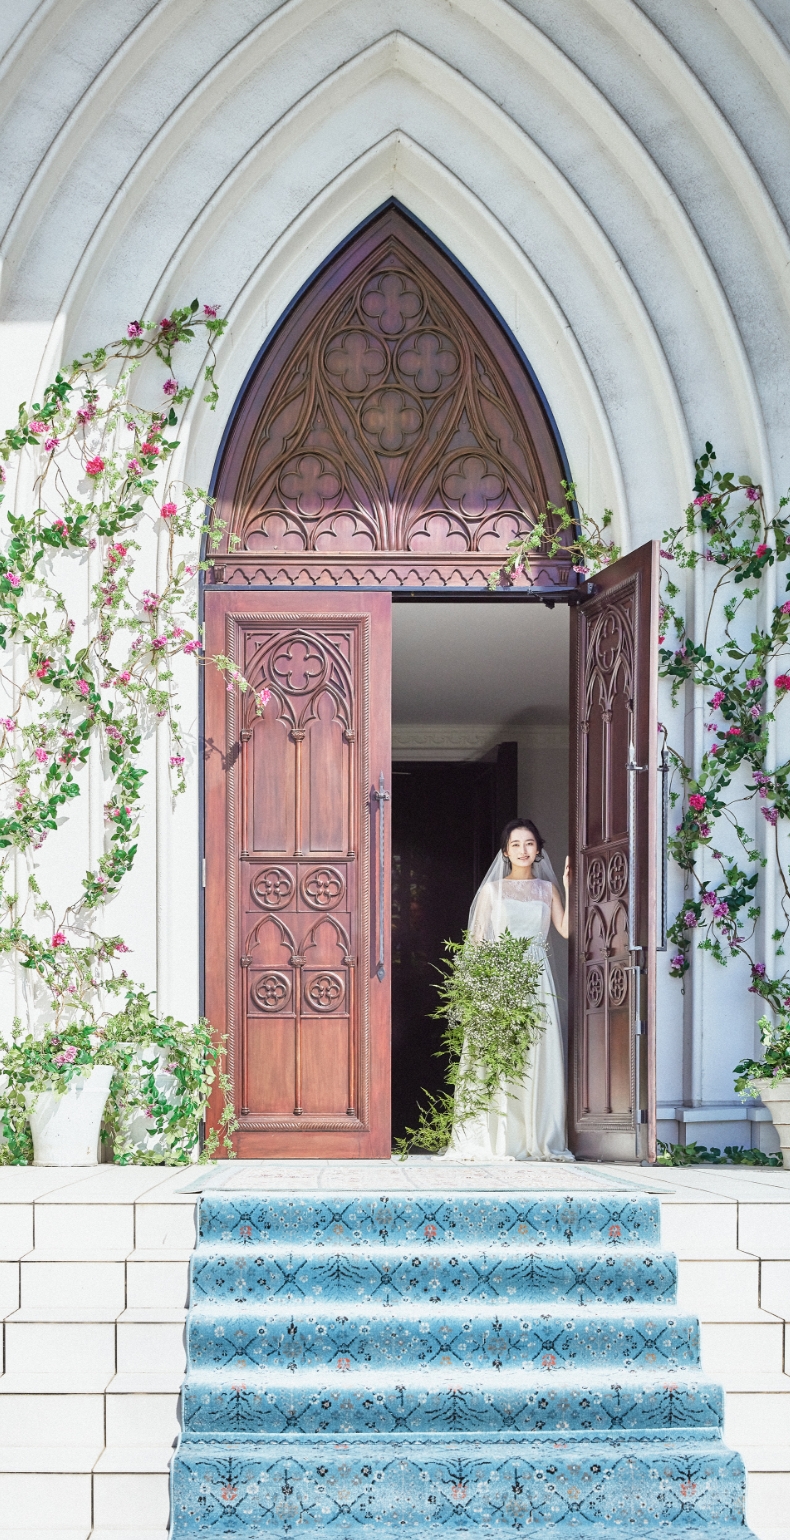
166	1070
54	1095
769	1078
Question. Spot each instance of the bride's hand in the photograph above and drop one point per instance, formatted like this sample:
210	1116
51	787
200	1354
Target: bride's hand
566	876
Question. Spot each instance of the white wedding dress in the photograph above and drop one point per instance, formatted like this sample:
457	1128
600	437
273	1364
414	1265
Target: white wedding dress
525	1121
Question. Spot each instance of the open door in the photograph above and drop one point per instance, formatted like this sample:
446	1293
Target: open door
297	917
614	647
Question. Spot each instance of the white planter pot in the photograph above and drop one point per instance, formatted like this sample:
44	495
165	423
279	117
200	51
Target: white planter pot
138	1129
776	1097
66	1128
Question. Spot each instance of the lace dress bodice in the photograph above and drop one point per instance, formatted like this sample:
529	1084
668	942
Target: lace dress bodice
523	908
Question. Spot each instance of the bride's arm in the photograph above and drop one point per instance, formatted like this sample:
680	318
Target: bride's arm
558	914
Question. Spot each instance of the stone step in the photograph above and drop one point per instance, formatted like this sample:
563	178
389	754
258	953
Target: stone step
520	1219
433	1273
306	1335
497	1482
263	1402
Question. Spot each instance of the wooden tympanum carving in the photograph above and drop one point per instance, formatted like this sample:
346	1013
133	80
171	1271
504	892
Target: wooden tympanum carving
391	414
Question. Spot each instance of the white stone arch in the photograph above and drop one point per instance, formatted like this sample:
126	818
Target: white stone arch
522	38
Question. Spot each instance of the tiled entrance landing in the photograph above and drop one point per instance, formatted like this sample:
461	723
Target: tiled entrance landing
93	1289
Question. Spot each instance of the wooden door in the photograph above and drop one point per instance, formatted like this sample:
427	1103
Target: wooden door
297	869
611	1104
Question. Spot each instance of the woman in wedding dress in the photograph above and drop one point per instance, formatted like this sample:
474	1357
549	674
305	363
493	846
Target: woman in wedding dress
525	1121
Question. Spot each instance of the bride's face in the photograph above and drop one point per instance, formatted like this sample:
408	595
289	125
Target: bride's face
522	849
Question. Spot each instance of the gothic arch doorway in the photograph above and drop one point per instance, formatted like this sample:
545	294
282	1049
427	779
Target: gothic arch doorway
390	442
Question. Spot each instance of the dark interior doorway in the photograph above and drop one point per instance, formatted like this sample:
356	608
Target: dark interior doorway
446	821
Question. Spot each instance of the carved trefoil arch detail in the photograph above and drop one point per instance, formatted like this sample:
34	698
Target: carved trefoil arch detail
391	432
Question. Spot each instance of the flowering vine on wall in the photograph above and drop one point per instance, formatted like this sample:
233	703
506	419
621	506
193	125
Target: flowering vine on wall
741	666
99	469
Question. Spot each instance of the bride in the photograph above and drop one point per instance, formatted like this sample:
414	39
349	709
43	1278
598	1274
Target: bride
525	1121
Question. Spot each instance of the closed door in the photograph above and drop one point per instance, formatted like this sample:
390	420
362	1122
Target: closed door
297	870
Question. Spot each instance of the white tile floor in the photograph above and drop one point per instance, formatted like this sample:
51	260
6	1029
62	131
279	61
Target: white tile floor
93	1288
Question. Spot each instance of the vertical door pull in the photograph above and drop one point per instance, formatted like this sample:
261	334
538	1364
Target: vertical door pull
663	771
381	797
633	770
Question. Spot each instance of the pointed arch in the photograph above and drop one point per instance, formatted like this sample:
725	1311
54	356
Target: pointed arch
390	432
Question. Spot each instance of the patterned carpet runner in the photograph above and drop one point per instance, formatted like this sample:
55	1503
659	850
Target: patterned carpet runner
469	1364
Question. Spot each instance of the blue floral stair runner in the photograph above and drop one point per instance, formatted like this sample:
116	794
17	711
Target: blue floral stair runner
476	1363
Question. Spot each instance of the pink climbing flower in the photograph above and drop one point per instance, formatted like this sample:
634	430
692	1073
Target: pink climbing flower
786	607
709	898
753	494
782	681
176	760
120	946
68	1055
124	677
134	329
170	387
192	646
754	684
36	426
94	466
720	910
150	601
771	815
149	449
704	831
761	550
667	555
58	939
12	578
159	642
690	920
50	444
166	324
754	711
168	510
210	311
703	501
264	698
734	732
678	961
41	755
716	700
8	723
697	800
134	467
83	687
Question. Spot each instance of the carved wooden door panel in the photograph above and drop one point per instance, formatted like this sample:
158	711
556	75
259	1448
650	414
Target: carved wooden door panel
297	870
611	1103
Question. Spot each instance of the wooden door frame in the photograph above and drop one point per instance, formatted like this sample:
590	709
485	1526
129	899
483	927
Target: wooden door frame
489	404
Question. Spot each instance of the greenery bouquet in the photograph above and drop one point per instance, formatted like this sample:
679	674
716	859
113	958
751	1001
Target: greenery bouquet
490	1003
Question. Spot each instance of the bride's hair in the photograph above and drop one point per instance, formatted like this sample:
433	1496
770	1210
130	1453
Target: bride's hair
520	823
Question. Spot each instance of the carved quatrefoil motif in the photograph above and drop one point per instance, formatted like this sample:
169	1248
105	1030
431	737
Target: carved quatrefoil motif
271	991
618	874
594	987
326	991
618	984
596	878
272	887
323	888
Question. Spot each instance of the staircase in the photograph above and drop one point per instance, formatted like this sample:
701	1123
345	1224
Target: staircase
480	1362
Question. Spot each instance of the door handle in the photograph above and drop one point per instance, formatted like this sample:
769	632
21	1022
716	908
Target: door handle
381	797
633	770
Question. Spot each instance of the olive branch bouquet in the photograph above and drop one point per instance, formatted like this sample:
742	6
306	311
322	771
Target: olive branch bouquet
489	1001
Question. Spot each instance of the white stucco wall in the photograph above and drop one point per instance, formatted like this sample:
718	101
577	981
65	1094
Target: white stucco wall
615	175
